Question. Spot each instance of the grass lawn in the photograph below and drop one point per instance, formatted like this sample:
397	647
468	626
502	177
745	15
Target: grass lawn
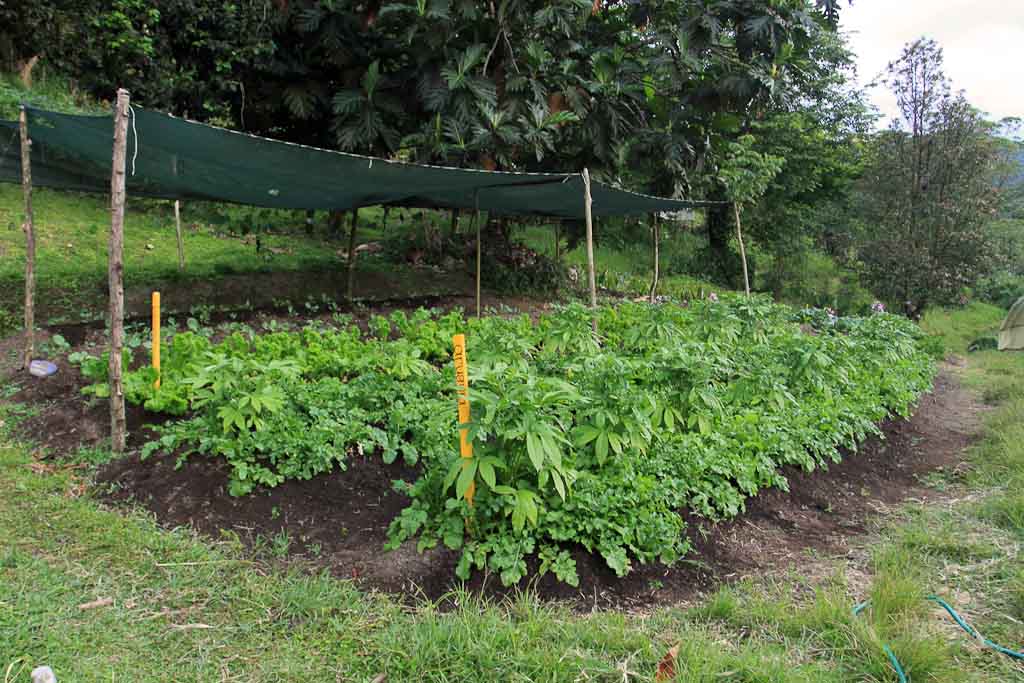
176	607
72	231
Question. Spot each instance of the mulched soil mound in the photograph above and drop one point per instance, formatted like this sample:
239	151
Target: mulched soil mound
338	521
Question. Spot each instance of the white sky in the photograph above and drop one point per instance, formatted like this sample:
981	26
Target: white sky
982	40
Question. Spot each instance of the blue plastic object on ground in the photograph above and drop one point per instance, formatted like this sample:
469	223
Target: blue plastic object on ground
41	368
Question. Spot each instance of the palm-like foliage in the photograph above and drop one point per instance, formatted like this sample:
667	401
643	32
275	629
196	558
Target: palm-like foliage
367	118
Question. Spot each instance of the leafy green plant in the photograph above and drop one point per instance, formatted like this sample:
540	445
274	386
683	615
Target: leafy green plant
585	440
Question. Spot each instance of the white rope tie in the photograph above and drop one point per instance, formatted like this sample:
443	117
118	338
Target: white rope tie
135	155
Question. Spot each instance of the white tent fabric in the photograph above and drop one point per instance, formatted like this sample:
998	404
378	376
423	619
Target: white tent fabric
1011	333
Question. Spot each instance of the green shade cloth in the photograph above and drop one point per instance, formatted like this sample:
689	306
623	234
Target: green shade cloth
173	158
1011	332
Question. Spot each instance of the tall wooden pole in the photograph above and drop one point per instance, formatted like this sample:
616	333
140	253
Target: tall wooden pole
116	272
591	278
177	229
30	241
656	236
351	285
743	251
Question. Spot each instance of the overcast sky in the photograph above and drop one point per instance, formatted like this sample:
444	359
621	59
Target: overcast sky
983	42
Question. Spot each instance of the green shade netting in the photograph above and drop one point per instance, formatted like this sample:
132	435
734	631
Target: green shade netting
174	158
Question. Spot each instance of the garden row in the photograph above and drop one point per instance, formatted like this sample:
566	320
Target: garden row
580	438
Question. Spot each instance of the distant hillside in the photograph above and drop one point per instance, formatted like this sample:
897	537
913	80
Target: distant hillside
1019	177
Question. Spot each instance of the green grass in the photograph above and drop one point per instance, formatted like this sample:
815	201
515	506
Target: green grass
628	269
962	326
48	91
73	230
185	608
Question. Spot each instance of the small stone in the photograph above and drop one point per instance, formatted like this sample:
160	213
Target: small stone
43	674
150	247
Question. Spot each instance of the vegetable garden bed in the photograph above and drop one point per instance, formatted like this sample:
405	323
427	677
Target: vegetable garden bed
584	444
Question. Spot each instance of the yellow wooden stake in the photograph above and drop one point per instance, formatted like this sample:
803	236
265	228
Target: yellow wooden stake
156	337
462	381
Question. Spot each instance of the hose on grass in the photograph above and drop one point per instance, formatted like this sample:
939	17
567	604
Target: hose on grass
857	609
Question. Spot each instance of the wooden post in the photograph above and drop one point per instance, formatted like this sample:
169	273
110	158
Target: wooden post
181	240
478	259
350	286
30	241
656	236
455	223
116	272
591	278
743	251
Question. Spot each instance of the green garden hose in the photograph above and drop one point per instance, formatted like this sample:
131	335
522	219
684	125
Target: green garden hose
960	622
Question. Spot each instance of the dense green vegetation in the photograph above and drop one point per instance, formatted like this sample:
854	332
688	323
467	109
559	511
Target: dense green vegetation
591	438
182	608
579	438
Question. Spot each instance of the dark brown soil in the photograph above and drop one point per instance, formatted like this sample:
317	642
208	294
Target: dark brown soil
339	521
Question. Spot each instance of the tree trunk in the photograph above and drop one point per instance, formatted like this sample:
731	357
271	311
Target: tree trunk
350	286
30	240
743	251
25	70
721	262
717	225
116	272
181	240
334	221
656	236
591	278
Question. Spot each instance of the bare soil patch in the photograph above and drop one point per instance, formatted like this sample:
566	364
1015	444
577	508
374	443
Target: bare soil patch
339	521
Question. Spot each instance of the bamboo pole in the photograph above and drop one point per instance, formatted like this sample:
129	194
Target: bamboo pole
656	236
591	278
30	240
350	286
177	229
116	271
743	251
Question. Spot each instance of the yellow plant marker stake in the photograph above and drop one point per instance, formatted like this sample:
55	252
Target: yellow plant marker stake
462	381
156	337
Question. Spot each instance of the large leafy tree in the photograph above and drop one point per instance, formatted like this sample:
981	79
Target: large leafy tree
185	56
646	94
929	189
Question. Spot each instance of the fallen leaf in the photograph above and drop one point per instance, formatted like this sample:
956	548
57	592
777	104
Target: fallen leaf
667	665
102	602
